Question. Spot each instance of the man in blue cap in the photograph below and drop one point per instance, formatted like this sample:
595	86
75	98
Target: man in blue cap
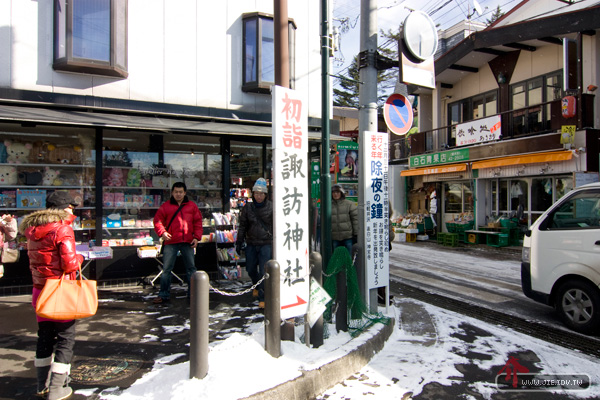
256	229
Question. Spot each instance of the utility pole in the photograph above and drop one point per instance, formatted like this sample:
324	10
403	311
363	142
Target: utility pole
367	120
325	176
282	78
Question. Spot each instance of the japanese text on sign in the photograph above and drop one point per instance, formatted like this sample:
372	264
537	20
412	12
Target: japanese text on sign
479	131
290	176
376	209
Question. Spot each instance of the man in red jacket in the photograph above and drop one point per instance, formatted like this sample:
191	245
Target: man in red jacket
178	223
51	251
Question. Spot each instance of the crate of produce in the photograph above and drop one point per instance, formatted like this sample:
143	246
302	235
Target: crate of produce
451	227
498	240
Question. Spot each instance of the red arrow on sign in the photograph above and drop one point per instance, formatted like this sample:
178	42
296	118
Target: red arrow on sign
300	302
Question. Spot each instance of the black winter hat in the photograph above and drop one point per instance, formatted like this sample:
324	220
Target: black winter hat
60	200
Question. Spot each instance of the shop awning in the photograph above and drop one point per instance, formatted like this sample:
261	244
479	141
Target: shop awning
127	119
439	169
552	156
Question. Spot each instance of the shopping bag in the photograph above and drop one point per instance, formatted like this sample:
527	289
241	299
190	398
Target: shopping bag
65	299
9	255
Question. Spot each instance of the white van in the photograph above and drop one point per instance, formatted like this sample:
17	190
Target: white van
561	259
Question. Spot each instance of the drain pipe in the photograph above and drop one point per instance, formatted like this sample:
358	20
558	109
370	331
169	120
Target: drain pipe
199	287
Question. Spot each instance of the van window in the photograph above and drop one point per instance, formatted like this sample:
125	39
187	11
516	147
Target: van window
581	211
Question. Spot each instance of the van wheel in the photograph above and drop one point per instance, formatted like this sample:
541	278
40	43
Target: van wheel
578	305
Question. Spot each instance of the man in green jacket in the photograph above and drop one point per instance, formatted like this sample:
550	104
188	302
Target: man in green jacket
344	219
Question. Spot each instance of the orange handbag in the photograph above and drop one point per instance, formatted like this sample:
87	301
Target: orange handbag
65	299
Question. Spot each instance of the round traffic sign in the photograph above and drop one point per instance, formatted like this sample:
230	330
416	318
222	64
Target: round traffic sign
398	114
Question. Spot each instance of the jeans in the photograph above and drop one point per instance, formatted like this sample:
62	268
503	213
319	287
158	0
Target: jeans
256	258
169	256
346	243
57	338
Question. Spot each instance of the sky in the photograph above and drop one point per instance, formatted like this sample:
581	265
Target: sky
409	361
391	13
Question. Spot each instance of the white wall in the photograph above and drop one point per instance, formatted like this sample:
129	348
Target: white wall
185	52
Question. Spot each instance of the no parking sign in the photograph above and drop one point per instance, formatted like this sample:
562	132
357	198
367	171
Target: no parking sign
398	114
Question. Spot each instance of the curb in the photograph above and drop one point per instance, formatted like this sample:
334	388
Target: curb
314	382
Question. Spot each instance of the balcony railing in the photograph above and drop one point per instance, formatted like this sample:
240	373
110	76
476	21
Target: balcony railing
530	121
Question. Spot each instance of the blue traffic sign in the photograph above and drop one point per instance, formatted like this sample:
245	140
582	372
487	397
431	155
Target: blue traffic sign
398	114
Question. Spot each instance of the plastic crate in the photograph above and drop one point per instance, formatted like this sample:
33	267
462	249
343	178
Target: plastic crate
462	236
440	238
451	239
472	238
514	237
499	240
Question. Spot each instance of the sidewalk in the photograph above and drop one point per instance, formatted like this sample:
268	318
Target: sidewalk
122	342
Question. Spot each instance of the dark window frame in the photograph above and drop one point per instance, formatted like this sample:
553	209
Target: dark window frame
63	36
258	85
523	122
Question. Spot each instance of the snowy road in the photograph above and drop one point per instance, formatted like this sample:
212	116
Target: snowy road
484	278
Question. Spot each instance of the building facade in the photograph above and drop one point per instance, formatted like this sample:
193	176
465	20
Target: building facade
510	127
116	100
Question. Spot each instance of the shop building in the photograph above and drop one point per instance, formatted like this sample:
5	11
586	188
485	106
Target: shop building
510	127
116	100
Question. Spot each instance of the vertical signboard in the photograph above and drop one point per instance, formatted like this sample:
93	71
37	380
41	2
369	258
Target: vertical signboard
291	199
376	214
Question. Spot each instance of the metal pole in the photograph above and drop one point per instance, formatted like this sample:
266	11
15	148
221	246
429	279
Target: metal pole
199	325
367	117
341	314
272	309
282	52
325	113
282	78
316	332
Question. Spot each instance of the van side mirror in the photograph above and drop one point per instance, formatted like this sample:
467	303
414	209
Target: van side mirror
528	233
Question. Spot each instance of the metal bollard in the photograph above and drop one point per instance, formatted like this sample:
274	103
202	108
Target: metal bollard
272	309
341	315
316	332
199	325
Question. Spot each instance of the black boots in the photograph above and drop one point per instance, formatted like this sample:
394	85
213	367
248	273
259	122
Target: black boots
42	366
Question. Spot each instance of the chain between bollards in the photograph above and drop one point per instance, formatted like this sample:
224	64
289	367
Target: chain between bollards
199	315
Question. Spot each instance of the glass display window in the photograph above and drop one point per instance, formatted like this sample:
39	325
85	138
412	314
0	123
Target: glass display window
36	161
139	171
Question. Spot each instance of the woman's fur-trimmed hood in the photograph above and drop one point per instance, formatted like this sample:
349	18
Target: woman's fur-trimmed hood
44	217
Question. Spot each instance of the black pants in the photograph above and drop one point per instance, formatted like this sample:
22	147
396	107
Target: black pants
57	337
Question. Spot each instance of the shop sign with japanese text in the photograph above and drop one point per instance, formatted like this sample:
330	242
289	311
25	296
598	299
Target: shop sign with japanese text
376	215
479	131
443	157
291	199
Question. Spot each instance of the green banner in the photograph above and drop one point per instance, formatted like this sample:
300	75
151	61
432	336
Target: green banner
444	157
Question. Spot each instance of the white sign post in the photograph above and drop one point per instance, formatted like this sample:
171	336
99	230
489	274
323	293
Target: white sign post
376	215
291	199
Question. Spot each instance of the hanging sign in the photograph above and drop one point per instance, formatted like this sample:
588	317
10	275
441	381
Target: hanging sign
479	131
376	215
291	200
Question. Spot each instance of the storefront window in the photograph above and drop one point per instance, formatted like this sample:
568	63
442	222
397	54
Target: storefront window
139	171
246	167
562	187
35	162
541	194
453	197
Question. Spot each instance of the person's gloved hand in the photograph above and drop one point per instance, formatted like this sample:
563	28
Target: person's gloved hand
238	247
354	239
